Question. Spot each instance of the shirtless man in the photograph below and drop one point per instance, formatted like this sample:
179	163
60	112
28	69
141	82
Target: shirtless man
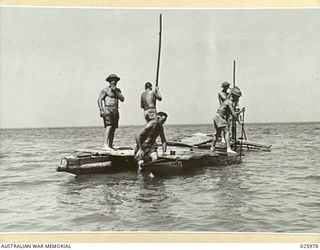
109	111
146	139
222	120
223	94
148	101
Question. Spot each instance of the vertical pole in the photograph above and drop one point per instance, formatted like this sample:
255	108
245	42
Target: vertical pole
159	52
241	138
234	73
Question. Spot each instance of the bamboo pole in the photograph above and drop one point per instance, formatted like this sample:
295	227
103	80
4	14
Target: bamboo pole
159	52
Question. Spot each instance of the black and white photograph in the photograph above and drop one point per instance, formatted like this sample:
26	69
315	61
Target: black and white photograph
159	120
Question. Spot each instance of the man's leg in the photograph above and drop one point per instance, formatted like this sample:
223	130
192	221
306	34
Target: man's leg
215	138
227	139
140	162
154	156
111	136
108	138
216	135
223	136
114	120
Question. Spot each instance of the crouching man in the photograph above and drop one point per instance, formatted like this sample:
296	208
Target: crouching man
146	149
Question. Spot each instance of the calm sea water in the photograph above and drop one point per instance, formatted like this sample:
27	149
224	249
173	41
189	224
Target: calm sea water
277	191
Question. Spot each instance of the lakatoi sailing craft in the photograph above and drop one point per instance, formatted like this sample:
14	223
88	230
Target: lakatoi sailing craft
191	152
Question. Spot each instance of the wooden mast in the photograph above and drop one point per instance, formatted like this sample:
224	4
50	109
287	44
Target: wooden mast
159	52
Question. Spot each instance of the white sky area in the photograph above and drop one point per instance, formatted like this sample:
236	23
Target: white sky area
54	62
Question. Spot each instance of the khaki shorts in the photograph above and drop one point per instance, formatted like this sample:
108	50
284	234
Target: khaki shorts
220	122
111	117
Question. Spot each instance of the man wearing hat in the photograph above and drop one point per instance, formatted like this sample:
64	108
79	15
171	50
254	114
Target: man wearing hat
108	103
222	120
223	94
148	101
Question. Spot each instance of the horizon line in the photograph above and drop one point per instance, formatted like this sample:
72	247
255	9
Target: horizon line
137	125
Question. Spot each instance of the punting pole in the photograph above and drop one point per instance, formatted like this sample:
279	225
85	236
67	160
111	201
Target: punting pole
159	52
241	138
234	73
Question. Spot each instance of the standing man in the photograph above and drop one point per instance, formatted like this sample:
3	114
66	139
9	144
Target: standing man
108	103
222	120
146	139
223	94
148	101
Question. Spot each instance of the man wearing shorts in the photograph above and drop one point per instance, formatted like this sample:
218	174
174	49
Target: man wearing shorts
146	139
222	96
222	120
148	101
108	103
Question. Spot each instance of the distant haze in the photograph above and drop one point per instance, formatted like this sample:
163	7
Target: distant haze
54	62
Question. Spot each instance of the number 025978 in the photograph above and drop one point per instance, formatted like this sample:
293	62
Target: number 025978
309	246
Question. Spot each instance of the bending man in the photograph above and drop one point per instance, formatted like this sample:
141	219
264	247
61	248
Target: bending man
146	149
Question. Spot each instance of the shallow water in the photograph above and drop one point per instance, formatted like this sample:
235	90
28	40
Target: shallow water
277	191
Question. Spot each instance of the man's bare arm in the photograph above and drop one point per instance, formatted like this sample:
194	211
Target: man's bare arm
102	96
118	94
142	134
157	94
141	101
163	140
221	97
233	112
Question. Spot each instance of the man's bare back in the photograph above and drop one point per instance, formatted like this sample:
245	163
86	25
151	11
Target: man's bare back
148	99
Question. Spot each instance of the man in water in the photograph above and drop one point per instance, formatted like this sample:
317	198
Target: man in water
222	120
109	111
146	139
148	101
223	94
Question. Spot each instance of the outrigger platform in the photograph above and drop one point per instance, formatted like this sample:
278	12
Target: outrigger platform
181	156
175	161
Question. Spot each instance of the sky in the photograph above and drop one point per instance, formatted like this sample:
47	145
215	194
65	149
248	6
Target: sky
54	61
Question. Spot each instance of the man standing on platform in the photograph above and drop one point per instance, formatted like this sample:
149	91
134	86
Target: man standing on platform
222	121
108	103
222	96
148	101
